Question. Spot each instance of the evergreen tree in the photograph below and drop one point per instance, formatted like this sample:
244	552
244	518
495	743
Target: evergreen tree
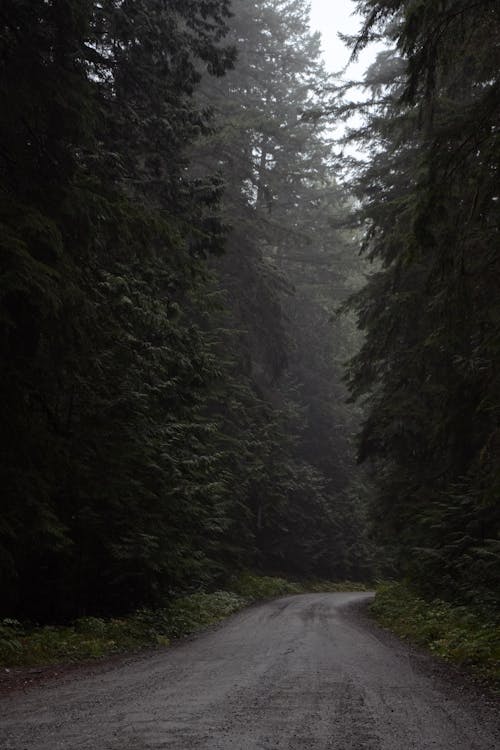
109	483
162	422
285	260
430	201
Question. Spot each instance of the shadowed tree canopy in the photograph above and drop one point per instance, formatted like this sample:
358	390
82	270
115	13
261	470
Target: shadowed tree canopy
165	415
428	369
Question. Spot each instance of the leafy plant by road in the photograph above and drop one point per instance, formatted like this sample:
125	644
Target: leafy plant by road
454	633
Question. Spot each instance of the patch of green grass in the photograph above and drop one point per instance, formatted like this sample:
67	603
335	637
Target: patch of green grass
453	632
94	637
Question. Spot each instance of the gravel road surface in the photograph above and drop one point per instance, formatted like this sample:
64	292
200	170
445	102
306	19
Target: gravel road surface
305	672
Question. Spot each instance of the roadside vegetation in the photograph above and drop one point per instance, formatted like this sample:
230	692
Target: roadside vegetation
456	633
95	637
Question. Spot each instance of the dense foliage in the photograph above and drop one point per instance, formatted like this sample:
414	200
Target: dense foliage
285	272
166	416
104	374
454	632
428	370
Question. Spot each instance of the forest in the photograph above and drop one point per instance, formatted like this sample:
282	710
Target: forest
229	340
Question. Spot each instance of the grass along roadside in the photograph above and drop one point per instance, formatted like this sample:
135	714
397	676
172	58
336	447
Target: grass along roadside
94	637
453	632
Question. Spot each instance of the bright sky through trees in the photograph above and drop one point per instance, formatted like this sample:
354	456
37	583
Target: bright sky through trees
334	16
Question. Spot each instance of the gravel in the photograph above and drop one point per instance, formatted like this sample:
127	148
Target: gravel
308	672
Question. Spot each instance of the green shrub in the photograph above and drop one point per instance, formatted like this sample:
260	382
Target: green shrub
325	587
193	612
92	625
255	588
454	633
10	634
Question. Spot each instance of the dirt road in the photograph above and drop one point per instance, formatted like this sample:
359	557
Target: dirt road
305	672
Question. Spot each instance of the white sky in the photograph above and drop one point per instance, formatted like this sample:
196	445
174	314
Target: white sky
330	17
